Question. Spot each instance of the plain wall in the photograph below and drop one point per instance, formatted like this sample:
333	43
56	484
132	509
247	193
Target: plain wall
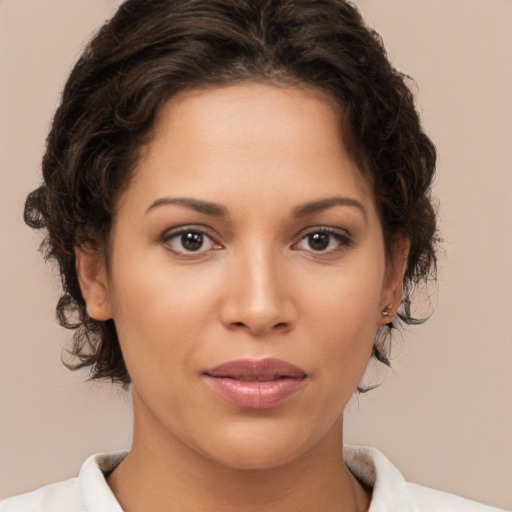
444	412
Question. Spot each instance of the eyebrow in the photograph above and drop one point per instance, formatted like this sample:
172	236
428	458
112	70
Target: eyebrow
193	204
325	204
217	210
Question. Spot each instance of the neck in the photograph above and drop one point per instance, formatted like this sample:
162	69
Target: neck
163	474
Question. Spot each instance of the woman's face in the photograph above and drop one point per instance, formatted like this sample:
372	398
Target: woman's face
247	275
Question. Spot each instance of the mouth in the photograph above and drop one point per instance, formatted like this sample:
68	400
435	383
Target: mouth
256	384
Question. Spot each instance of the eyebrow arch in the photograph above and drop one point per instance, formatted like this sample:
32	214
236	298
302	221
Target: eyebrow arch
192	204
325	204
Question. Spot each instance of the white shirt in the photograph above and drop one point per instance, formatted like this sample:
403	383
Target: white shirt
89	492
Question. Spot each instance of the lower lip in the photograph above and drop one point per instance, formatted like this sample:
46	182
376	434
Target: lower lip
255	394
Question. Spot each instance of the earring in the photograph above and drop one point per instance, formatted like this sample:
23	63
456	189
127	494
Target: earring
387	309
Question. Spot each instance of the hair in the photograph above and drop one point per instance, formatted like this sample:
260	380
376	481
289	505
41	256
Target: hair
152	49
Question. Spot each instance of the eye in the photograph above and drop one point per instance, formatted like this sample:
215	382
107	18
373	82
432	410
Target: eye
189	241
323	241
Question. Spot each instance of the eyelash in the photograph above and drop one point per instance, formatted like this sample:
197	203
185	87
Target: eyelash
178	234
343	239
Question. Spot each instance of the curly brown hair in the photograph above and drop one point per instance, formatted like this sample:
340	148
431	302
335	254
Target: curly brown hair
152	49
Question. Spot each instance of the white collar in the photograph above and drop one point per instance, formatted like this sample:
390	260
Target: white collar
94	489
370	466
390	490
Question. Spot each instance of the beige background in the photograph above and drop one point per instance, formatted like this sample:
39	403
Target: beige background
444	413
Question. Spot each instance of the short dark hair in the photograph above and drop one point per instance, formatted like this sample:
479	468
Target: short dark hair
152	49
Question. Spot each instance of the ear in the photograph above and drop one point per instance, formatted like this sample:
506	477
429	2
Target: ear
92	277
394	279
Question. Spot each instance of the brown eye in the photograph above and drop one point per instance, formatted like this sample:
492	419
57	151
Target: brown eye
319	241
187	241
192	241
324	241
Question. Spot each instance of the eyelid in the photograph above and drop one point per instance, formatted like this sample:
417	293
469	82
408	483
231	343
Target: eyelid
172	232
344	238
324	229
175	232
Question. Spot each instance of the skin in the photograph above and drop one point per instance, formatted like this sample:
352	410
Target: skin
256	288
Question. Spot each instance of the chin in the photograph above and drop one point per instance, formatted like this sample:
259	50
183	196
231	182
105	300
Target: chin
258	449
255	458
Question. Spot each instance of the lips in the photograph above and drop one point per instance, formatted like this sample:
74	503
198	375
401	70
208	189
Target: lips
255	384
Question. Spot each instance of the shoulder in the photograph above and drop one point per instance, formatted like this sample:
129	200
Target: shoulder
434	501
61	496
392	493
86	493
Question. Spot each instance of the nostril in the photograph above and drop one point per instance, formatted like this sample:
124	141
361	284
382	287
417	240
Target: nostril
277	326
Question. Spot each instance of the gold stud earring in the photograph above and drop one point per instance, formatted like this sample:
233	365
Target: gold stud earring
387	309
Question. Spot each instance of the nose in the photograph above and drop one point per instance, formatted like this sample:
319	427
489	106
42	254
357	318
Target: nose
258	296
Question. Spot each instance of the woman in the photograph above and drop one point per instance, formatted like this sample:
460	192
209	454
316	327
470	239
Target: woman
238	198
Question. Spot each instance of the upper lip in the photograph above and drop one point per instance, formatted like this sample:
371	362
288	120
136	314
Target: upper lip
256	369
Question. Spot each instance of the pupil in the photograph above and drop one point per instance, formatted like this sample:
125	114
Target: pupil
192	241
319	241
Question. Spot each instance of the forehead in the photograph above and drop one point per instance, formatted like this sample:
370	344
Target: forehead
249	137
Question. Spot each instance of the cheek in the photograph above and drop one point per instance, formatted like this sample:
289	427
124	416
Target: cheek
345	299
348	329
159	311
342	312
